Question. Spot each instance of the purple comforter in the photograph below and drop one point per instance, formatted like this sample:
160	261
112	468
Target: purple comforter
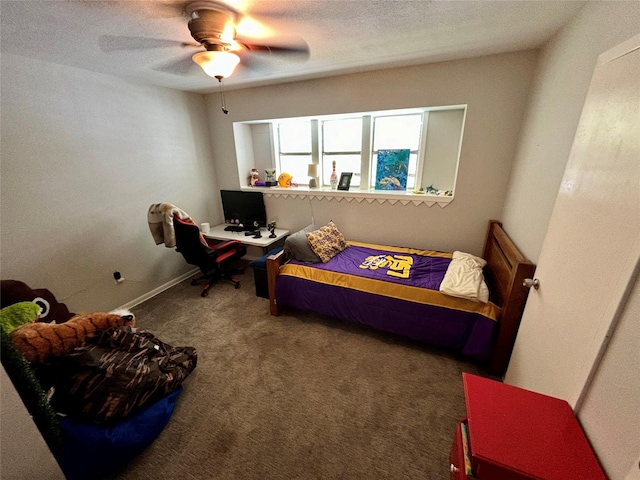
392	289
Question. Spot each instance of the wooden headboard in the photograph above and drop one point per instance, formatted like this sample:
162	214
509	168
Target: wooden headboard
505	272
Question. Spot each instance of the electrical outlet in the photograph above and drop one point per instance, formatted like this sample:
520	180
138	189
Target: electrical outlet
117	276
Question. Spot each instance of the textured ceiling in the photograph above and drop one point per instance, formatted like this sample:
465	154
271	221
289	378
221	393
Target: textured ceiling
343	36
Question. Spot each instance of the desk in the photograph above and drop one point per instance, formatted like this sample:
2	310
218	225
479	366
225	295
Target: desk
219	233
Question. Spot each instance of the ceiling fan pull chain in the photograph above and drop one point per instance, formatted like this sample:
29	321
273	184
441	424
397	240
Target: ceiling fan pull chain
222	99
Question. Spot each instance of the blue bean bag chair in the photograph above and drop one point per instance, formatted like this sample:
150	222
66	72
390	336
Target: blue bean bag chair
89	451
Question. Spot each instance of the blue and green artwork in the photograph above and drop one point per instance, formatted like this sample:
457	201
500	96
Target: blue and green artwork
392	169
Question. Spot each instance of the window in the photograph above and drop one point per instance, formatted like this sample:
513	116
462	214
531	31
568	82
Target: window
342	143
294	152
397	132
432	135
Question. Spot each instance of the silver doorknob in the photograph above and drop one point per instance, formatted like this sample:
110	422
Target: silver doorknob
453	468
531	282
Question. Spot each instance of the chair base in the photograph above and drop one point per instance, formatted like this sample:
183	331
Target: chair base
212	278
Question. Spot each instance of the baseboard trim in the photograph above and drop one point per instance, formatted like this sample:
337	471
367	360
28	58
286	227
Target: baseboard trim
159	289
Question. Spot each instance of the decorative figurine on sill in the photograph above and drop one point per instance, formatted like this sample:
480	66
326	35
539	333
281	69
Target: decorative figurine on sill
272	229
271	174
333	179
254	177
431	189
285	180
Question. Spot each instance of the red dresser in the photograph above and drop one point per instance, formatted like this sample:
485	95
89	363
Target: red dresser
514	434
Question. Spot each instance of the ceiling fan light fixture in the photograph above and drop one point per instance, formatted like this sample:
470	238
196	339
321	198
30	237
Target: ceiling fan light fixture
217	64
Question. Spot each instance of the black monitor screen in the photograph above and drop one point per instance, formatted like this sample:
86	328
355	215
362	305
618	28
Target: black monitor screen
244	208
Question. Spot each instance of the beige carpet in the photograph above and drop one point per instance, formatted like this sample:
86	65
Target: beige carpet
297	396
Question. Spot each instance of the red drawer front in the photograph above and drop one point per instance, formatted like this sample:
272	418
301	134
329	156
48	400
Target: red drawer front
481	470
456	457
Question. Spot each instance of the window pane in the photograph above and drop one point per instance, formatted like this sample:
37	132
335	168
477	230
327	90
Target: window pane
344	163
295	137
402	131
343	135
393	133
296	166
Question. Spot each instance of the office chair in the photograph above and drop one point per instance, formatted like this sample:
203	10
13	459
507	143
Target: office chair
213	260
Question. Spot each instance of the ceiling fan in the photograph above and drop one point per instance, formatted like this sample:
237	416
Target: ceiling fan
212	25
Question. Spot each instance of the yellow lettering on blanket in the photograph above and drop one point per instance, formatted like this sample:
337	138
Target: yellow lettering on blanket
398	265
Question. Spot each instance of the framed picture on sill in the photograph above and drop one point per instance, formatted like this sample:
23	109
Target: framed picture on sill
345	180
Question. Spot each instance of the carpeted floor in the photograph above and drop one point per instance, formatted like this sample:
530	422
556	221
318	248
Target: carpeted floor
297	396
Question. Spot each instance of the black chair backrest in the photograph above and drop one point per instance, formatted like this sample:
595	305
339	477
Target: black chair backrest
189	245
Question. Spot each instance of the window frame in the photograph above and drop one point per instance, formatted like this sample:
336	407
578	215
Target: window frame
247	133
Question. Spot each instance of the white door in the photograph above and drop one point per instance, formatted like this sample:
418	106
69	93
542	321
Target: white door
593	240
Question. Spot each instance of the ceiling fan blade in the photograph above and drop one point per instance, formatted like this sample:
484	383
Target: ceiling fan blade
255	63
163	8
112	43
183	66
296	49
154	9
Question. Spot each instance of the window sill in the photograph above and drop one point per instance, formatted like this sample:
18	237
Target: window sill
370	196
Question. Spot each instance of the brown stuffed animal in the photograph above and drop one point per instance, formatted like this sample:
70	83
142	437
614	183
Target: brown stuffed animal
14	291
39	341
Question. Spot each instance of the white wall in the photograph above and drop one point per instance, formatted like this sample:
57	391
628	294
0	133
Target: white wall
558	93
83	156
262	148
495	88
610	412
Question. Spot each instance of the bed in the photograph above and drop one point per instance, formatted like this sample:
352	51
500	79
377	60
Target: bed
348	288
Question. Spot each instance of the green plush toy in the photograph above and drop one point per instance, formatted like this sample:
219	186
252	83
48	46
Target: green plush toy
18	314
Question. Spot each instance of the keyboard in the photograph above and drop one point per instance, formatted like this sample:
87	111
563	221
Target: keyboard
233	228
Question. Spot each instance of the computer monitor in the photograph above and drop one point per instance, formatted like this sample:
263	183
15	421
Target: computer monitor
245	209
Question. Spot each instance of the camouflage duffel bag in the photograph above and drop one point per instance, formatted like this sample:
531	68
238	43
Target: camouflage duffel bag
115	374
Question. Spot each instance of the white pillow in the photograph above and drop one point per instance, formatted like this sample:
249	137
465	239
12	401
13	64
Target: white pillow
483	293
464	277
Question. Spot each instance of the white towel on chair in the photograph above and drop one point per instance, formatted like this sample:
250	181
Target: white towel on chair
160	218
